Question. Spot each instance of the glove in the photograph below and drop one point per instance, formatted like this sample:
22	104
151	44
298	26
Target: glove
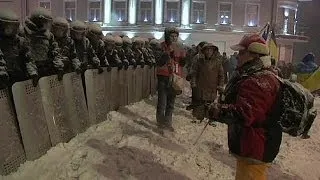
100	70
35	79
60	75
213	110
142	64
4	81
78	70
109	68
126	64
188	78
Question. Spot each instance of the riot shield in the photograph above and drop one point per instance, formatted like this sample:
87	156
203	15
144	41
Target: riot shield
55	109
76	103
11	150
138	83
131	84
115	98
145	82
31	118
96	95
123	85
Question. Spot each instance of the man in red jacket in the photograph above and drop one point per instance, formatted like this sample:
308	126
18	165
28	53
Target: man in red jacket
171	61
254	136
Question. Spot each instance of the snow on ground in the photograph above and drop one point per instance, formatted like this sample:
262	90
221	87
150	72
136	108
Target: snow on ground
128	146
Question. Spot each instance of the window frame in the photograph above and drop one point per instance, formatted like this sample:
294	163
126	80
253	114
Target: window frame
165	12
75	8
88	11
246	22
45	1
113	10
205	11
231	13
139	20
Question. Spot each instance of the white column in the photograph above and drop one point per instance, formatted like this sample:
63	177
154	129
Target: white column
132	11
159	11
107	11
185	13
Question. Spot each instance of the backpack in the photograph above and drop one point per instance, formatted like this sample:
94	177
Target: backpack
294	107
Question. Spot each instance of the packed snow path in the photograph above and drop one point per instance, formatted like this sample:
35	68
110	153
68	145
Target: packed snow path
128	146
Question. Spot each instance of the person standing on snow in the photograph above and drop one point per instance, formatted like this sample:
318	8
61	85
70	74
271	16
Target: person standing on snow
171	61
60	28
254	136
190	67
44	50
19	65
208	79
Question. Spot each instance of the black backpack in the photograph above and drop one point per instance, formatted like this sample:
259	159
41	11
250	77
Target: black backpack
294	107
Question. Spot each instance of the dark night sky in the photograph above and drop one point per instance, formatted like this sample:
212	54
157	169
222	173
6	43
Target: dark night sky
308	19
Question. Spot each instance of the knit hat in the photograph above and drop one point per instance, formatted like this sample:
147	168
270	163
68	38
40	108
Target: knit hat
253	43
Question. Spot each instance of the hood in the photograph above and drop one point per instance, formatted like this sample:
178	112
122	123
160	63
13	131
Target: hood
309	58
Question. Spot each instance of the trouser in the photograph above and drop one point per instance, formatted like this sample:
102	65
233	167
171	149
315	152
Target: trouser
166	99
248	171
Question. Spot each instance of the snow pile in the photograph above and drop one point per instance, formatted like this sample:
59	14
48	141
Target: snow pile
128	146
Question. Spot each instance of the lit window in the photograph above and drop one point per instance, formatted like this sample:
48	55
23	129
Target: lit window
70	10
94	11
225	13
198	12
252	14
146	11
45	4
172	11
120	11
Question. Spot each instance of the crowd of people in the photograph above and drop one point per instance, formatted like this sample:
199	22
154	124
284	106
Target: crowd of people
245	92
240	91
47	45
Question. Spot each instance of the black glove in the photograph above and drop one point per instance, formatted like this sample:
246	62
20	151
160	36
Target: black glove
60	75
109	68
4	81
100	70
78	70
35	80
188	78
126	64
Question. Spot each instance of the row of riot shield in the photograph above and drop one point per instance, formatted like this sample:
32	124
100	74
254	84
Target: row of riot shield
110	90
33	119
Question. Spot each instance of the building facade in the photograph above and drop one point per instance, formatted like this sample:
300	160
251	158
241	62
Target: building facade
222	22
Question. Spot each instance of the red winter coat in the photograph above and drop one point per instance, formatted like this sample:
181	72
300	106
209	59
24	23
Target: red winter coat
252	132
173	62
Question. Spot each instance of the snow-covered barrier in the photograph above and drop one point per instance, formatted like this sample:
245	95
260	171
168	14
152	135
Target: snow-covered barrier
56	111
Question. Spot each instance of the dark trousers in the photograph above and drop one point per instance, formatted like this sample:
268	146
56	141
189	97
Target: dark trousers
166	99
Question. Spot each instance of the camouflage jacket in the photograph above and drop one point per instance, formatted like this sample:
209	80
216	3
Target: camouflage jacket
98	46
43	47
130	55
138	56
151	54
67	47
3	66
208	77
114	58
19	62
122	56
3	72
147	56
86	53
